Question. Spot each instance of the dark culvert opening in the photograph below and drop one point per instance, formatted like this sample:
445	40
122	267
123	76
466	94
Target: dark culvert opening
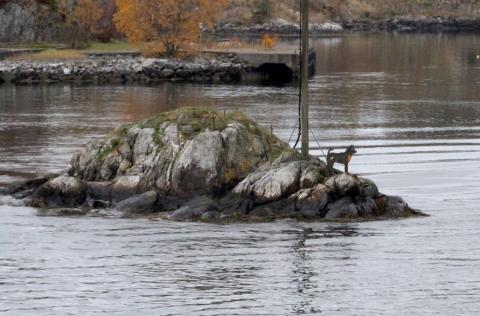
275	73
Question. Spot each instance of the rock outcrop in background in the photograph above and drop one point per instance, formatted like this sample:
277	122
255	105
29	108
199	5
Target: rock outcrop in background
277	26
201	165
28	22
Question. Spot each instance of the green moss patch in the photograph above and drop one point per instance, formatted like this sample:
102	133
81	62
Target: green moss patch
194	120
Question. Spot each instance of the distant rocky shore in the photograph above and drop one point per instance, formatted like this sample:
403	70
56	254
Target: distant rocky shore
420	24
278	26
223	69
399	24
197	164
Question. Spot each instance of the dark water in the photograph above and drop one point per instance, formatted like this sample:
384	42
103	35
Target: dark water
410	103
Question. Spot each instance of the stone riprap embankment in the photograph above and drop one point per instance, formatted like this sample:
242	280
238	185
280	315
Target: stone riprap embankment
200	165
225	69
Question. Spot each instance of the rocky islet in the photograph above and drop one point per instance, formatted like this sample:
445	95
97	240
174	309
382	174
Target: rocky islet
197	164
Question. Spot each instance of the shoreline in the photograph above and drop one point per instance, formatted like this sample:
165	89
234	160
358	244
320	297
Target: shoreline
328	29
215	66
416	25
124	70
227	68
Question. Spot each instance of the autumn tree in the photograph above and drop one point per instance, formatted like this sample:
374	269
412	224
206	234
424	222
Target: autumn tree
106	29
81	20
87	13
262	11
172	23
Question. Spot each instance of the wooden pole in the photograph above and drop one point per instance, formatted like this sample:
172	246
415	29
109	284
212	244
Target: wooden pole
304	81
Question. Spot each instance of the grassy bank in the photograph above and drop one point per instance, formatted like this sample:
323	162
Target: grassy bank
53	52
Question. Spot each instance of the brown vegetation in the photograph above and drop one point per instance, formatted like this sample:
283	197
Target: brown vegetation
255	11
81	21
390	8
269	42
174	24
50	55
169	24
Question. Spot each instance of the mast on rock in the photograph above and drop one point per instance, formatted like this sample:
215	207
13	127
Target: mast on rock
304	79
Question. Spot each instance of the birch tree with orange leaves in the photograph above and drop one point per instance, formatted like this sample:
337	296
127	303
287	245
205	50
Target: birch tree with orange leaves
171	23
80	20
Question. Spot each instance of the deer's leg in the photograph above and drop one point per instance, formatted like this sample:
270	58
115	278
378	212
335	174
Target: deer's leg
329	169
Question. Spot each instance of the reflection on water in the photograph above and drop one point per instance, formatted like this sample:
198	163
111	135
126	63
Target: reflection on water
410	103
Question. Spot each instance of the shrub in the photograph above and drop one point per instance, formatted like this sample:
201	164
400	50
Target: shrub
262	11
269	42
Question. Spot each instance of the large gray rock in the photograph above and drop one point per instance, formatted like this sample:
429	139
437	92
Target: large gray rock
271	185
109	168
144	143
125	187
344	208
343	185
139	204
201	208
100	191
59	192
394	207
199	167
312	201
243	152
21	188
367	207
369	188
312	175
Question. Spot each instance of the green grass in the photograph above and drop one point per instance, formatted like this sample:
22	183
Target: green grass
115	46
58	52
200	119
116	138
50	55
39	45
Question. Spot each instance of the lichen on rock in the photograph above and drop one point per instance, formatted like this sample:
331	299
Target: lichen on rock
197	164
